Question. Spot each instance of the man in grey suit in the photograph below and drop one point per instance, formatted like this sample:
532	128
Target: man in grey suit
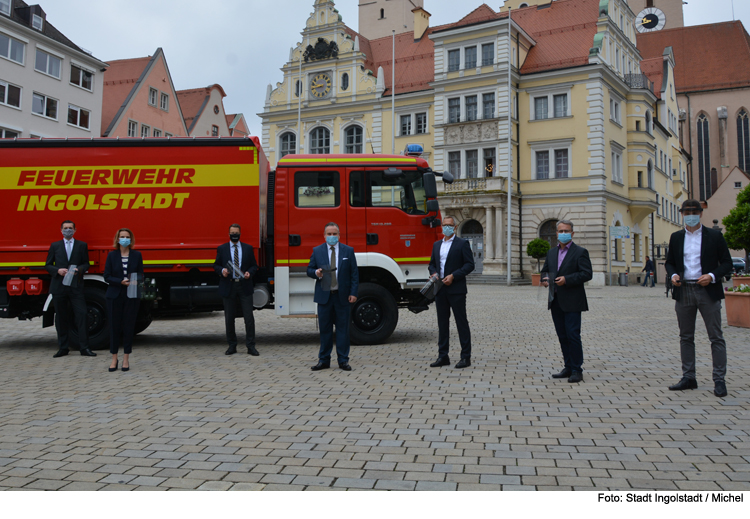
62	254
565	270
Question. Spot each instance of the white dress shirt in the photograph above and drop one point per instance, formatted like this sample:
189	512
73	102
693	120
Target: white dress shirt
231	254
445	247
69	246
338	258
691	253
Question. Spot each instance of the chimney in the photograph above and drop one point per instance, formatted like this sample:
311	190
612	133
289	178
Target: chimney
421	22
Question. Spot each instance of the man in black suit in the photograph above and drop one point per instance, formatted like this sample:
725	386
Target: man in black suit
62	254
451	262
234	285
334	264
650	272
697	259
569	266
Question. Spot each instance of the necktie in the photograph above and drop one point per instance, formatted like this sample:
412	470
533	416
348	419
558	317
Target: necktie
334	281
67	248
236	259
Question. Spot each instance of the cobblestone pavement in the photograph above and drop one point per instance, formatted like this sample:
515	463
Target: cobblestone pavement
188	417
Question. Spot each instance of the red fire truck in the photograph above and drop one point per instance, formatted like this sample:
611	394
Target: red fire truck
179	196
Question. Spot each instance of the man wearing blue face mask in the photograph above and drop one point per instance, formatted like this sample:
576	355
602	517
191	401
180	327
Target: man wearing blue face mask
569	267
451	262
333	266
697	259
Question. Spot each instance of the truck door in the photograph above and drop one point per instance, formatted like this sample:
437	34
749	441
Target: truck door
396	205
356	225
316	199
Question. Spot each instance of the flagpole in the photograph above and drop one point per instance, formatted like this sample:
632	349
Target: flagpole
393	96
299	104
509	210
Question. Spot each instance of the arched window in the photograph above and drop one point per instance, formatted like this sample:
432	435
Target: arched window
345	82
320	141
548	231
648	122
650	174
382	14
523	4
704	159
743	141
287	144
353	139
298	88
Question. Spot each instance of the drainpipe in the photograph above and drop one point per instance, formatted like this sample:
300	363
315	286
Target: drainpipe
690	144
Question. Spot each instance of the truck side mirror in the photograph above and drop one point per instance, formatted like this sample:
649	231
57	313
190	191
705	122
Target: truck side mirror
430	185
447	178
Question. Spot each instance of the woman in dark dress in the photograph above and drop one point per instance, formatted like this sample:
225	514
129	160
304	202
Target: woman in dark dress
122	310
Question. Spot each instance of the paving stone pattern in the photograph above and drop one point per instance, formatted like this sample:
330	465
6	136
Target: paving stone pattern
188	417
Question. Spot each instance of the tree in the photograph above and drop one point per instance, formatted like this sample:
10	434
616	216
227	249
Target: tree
537	249
737	223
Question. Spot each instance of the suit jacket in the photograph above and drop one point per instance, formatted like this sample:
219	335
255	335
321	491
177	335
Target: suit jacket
57	259
715	259
346	268
576	268
248	264
460	263
114	274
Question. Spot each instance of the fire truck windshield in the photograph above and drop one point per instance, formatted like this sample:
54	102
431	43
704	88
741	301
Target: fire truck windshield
405	192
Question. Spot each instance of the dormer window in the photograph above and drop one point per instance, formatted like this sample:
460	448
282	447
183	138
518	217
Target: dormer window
5	7
37	22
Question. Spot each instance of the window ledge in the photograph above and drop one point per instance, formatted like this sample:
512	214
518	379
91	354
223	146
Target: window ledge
48	75
13	61
79	127
618	182
11	106
550	119
82	88
551	179
43	116
616	123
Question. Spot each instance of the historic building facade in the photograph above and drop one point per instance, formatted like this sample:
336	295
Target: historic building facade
555	94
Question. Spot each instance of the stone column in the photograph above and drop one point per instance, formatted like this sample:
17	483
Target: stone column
500	249
489	246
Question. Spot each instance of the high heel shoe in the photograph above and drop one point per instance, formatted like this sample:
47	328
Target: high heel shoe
115	368
126	369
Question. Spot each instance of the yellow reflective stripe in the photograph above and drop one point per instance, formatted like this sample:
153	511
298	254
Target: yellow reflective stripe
412	260
293	161
23	264
177	262
294	261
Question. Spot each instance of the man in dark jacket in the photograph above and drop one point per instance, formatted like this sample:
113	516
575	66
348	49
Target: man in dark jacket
62	255
565	270
649	270
697	259
451	262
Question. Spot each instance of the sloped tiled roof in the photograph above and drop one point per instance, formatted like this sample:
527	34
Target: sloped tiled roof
653	68
119	81
707	57
193	101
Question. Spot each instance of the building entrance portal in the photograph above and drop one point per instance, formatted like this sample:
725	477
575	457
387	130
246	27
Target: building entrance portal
474	233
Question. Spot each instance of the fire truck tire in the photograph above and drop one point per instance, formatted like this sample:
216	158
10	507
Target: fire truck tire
374	315
96	305
144	318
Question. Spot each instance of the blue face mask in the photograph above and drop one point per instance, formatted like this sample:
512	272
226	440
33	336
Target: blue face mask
564	237
125	242
692	220
448	230
332	240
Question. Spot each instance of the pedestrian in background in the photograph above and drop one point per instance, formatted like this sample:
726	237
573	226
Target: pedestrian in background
122	308
649	270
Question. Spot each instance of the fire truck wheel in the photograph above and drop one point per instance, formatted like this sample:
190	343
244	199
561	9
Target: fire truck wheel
374	315
144	318
96	305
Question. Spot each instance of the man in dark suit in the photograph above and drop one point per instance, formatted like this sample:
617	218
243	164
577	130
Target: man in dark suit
697	259
569	267
451	262
62	254
650	272
333	265
234	286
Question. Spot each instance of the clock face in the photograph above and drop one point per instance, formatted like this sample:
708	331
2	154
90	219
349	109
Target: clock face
650	20
321	85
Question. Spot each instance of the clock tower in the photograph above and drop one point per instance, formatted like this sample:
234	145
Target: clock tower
378	18
655	15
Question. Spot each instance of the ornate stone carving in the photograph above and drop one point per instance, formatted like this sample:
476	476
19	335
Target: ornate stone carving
321	51
471	133
453	135
489	131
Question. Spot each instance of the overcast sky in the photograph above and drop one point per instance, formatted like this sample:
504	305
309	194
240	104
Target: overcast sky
242	44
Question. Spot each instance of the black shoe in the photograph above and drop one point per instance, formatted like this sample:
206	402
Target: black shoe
440	362
321	365
565	373
231	350
252	351
720	388
115	368
575	376
685	383
124	368
345	366
60	353
88	353
463	363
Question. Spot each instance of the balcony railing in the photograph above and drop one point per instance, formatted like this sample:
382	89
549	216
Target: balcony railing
475	184
639	81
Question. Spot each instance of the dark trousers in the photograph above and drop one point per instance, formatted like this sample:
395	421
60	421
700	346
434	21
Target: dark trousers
71	298
568	328
694	299
444	304
230	314
653	279
334	311
122	312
